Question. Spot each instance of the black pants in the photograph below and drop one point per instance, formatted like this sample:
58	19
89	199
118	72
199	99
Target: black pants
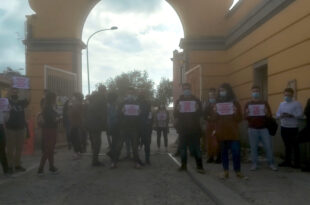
290	139
3	158
193	142
132	135
165	134
146	138
95	139
77	139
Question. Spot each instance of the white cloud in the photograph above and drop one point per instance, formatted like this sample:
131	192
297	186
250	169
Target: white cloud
144	41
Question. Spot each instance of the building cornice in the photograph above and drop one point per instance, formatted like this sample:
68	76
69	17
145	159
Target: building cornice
54	44
257	17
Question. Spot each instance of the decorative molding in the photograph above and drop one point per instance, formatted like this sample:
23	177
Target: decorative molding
54	44
257	17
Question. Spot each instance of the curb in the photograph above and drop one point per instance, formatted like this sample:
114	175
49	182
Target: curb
213	188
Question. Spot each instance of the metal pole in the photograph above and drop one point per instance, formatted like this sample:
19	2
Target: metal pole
87	56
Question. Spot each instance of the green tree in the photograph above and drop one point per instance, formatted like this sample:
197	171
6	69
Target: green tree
164	92
137	79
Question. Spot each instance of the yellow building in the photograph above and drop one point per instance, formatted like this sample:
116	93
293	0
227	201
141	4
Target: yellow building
264	42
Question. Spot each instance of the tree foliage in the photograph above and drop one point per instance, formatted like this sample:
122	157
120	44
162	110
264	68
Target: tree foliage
136	79
164	92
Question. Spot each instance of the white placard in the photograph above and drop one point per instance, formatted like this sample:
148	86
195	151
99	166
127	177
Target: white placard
20	82
162	116
131	110
257	110
225	108
187	106
4	104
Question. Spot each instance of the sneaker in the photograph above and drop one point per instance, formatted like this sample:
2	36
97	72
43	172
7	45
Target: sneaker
54	170
183	168
40	172
273	167
224	175
241	176
20	169
210	160
200	170
113	166
138	166
253	167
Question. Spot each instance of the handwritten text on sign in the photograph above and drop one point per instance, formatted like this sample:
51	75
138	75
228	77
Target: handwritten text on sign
132	110
187	106
225	108
257	110
20	82
4	104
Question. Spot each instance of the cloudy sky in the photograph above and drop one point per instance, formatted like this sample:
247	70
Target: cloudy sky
148	33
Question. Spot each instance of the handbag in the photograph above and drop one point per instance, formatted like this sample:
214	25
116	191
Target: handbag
272	126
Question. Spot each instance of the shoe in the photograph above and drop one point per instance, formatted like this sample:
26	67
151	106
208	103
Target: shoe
200	170
183	168
40	172
20	169
54	170
138	166
224	175
97	164
113	166
253	167
10	170
273	167
241	176
210	160
285	164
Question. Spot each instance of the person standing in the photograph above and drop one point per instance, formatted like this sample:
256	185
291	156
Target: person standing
228	117
16	131
257	112
49	132
76	116
130	111
289	112
211	142
145	124
162	126
188	112
97	121
3	158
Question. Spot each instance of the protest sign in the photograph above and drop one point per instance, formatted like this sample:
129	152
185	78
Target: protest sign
225	108
132	110
20	82
257	110
187	106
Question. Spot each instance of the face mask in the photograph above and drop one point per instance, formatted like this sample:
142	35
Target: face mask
223	93
212	100
288	99
187	92
255	95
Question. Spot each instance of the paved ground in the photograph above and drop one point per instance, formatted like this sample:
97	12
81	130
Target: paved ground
79	183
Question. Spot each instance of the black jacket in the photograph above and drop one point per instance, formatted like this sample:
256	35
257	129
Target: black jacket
17	118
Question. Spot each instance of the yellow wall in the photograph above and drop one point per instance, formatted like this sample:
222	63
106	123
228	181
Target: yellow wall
284	41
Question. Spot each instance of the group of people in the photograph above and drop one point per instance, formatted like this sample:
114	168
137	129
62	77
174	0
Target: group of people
130	120
127	120
223	113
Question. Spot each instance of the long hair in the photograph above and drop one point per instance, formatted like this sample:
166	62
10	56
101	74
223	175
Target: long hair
230	93
50	99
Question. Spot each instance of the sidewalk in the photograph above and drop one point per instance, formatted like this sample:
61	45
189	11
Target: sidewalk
264	186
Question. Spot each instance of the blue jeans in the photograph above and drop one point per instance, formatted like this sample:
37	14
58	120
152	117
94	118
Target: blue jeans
255	137
234	146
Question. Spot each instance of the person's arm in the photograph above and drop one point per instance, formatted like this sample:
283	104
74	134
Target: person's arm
279	112
298	112
307	110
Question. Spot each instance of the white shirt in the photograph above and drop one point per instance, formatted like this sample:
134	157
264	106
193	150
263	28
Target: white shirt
294	108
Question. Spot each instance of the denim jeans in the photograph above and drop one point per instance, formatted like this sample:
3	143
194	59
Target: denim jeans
255	137
193	142
234	146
